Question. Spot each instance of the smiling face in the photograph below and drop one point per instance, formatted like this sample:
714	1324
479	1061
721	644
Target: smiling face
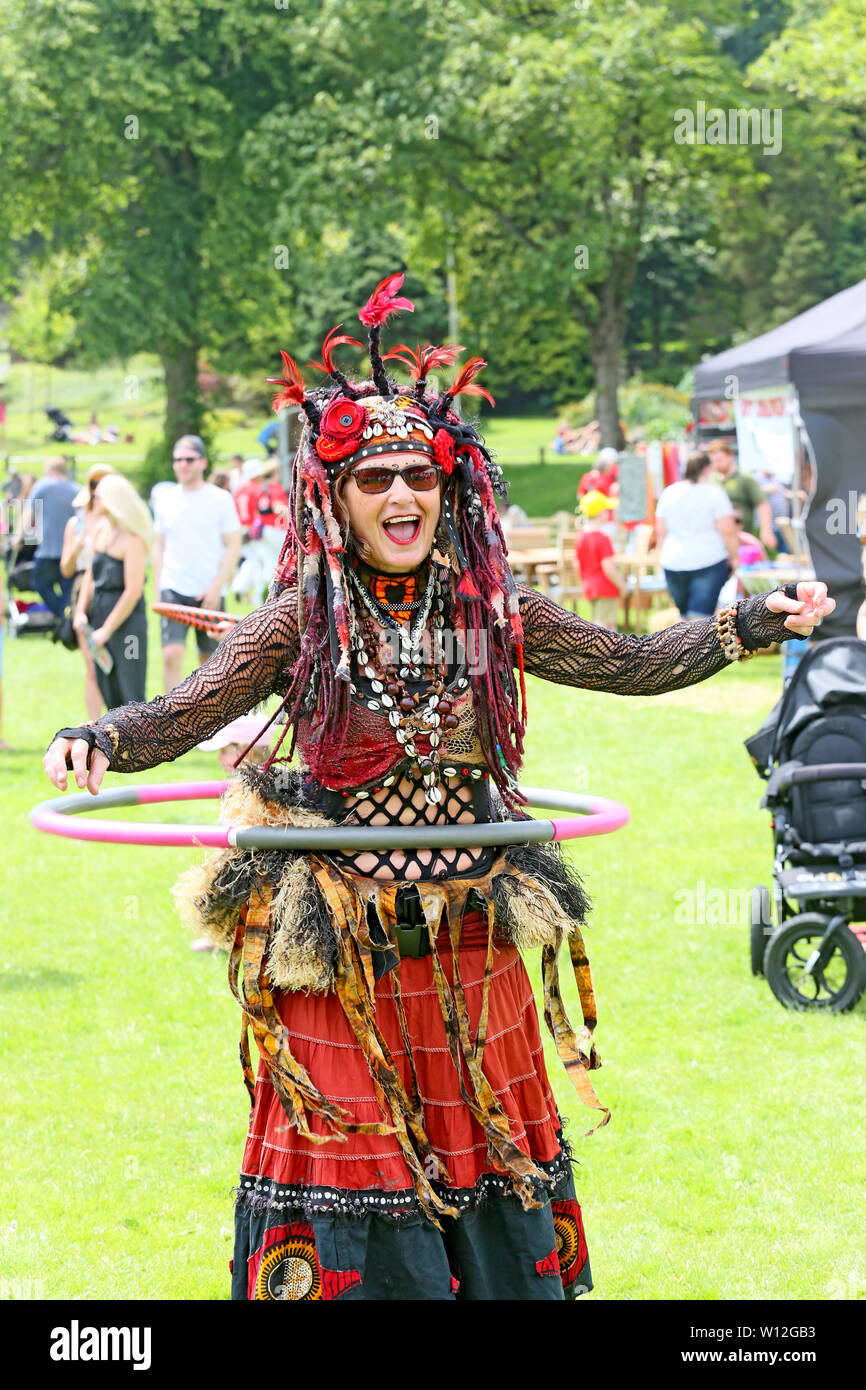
189	464
394	529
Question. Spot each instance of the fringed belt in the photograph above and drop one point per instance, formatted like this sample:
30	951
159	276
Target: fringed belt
349	900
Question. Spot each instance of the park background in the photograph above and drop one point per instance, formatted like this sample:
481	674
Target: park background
185	188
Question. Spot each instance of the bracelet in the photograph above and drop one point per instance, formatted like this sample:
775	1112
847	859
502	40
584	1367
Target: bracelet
726	627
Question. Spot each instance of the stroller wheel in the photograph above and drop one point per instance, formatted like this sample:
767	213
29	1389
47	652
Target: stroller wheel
760	927
799	981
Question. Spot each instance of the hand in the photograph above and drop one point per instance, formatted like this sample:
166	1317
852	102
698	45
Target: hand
768	540
806	610
211	598
100	636
54	763
79	622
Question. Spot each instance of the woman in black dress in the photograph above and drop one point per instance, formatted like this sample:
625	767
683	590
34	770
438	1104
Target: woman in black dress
111	599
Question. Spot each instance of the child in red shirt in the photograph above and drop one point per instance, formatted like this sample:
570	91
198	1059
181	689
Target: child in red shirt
600	578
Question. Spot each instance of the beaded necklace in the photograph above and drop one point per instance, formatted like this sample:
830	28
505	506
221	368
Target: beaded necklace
400	595
431	707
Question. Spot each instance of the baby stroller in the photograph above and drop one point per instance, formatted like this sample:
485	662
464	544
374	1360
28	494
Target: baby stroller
25	614
62	424
812	751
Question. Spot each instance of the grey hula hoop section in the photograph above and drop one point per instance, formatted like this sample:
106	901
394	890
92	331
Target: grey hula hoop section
63	815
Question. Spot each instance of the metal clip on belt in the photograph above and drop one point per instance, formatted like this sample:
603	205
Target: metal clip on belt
412	938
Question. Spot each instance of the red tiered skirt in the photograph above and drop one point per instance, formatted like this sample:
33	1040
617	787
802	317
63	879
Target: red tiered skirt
321	1039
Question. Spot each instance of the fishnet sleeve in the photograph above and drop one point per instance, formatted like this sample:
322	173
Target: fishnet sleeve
249	664
559	646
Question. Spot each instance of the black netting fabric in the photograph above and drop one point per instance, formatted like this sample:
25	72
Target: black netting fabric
251	663
561	647
404	804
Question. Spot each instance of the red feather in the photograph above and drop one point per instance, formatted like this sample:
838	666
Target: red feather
423	360
462	385
327	363
383	302
291	380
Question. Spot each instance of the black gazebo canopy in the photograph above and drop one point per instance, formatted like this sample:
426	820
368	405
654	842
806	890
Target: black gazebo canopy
822	353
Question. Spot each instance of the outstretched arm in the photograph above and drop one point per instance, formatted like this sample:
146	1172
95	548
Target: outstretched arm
559	646
246	667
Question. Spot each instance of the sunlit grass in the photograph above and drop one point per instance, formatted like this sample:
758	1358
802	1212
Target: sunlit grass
732	1166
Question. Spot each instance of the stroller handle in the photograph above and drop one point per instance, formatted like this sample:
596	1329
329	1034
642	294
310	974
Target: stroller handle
793	774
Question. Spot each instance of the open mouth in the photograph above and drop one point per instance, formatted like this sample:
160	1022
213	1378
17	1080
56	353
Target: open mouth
404	529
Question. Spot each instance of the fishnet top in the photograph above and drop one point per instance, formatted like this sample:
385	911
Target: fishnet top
256	658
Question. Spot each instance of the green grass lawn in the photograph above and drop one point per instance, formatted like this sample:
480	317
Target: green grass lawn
732	1167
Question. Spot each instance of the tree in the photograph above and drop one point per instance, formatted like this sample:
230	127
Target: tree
805	239
551	123
122	135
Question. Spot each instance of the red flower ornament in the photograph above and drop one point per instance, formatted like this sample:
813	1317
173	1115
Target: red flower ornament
344	419
341	430
443	450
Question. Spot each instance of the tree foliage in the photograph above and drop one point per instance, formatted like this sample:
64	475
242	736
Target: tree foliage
220	178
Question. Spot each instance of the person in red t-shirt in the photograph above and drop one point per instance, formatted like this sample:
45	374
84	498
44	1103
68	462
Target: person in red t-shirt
603	478
246	495
273	503
600	577
253	503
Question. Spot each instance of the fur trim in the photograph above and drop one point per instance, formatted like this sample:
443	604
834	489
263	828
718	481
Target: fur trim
209	896
303	950
211	917
537	894
539	897
246	803
527	913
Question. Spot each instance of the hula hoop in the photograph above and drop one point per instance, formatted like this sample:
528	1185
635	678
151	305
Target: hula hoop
213	621
592	815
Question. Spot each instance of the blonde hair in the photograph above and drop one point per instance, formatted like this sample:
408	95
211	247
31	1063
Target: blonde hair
124	506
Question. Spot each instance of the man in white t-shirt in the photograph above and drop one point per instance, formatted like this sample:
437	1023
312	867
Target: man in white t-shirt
196	544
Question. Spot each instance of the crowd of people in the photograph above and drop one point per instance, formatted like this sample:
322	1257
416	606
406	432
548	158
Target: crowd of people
85	550
706	525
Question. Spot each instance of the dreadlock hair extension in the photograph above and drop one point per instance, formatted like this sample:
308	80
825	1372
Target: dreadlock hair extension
490	642
312	412
383	302
318	689
345	384
380	376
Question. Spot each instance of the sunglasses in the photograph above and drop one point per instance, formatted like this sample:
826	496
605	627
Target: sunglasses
186	458
420	477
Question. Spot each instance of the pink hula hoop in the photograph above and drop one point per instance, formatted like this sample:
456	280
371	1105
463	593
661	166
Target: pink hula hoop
598	815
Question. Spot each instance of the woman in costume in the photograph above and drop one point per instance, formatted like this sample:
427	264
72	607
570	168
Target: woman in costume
403	1141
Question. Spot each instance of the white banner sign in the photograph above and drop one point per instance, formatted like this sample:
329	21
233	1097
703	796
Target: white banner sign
765	431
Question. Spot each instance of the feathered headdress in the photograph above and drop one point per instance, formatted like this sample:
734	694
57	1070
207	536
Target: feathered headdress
347	421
